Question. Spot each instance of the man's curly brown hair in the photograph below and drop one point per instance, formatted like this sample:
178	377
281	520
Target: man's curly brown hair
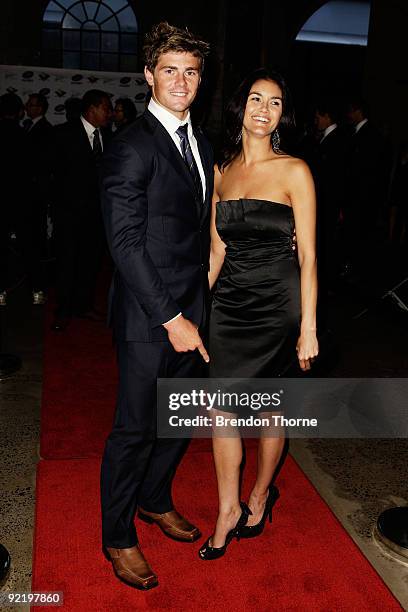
165	38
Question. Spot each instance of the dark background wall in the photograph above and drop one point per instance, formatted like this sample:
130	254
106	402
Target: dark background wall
245	35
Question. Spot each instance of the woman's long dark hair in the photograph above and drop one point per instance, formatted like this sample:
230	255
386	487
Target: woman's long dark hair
234	114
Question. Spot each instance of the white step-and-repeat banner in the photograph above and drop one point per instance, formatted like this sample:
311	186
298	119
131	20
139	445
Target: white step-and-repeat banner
58	85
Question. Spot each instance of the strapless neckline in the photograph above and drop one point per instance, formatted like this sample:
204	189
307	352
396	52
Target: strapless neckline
255	200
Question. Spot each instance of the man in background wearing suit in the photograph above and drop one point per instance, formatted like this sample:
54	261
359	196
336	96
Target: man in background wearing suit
13	173
157	184
33	229
367	169
79	145
330	175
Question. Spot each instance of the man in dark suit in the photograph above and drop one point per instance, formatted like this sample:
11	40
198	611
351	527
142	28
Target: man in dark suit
367	170
78	222
13	176
157	183
34	220
329	174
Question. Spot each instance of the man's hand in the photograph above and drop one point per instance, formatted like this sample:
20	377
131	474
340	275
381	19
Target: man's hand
184	337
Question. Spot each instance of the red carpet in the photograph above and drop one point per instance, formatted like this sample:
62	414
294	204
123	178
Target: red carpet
79	387
305	560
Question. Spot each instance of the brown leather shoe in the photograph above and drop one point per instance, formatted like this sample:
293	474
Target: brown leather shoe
131	567
172	524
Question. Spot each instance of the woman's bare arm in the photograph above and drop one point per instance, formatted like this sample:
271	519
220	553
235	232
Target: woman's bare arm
217	252
303	199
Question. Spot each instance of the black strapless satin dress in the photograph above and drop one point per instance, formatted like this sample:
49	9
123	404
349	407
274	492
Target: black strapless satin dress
255	313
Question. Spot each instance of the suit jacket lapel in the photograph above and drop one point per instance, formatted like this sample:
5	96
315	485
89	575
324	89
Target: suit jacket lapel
86	145
168	149
207	172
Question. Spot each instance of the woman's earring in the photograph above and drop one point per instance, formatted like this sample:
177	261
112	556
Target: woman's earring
276	141
238	138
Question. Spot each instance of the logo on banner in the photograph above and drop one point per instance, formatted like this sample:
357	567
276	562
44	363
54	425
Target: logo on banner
59	84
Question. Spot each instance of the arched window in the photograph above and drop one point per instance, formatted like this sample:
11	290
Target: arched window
342	22
92	35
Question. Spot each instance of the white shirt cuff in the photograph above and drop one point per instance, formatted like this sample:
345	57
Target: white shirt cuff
176	317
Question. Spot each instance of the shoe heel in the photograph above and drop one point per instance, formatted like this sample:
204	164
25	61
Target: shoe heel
145	518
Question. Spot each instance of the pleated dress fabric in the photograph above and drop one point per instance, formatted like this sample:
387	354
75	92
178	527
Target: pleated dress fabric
255	313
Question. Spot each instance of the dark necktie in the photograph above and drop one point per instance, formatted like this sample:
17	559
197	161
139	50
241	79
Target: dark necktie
97	145
189	158
27	124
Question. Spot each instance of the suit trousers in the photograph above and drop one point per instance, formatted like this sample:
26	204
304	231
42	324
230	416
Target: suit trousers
32	231
137	467
79	247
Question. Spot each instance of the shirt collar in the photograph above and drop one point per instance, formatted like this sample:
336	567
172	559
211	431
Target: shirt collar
88	126
328	130
36	120
167	119
360	125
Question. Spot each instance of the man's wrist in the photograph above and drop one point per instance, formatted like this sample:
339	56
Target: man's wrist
173	319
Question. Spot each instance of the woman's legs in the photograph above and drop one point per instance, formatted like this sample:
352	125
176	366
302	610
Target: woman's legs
269	453
227	459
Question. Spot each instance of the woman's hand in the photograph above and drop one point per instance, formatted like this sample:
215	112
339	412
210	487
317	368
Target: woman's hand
307	349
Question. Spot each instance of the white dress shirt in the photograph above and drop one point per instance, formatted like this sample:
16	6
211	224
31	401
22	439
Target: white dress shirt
360	125
328	130
89	129
171	125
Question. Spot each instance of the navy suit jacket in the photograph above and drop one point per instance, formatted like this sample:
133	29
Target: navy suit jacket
40	161
157	230
76	170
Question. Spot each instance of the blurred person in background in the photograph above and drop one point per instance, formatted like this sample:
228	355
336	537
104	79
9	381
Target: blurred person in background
12	167
79	234
367	169
73	109
329	173
33	227
124	113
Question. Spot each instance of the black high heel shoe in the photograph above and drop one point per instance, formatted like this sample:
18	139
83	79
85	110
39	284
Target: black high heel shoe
251	531
208	553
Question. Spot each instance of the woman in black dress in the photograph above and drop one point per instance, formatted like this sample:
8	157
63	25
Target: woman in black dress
264	306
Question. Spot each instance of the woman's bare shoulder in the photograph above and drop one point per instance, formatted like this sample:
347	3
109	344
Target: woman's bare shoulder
294	162
297	167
